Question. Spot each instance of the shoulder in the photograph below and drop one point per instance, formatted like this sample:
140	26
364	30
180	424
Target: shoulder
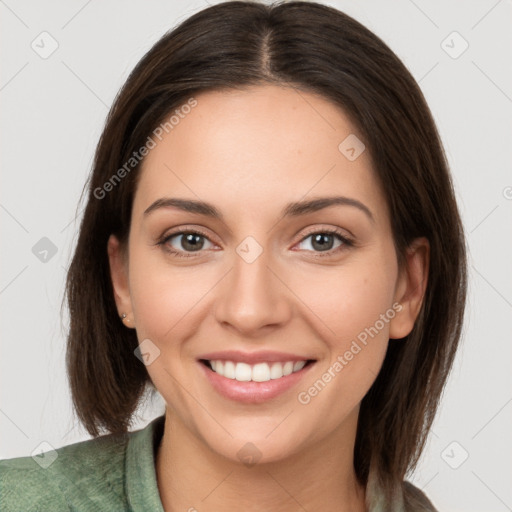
81	475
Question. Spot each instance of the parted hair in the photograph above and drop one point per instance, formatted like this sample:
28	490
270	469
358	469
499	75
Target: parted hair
316	49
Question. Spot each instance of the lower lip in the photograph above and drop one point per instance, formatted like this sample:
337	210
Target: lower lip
252	392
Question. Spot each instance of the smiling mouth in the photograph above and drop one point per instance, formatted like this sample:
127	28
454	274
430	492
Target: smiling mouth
260	372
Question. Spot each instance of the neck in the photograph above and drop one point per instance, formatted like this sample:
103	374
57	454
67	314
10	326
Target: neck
192	477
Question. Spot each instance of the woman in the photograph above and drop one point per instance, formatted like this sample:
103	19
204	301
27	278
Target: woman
271	242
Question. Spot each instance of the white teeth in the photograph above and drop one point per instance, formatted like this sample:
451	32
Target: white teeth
298	365
288	368
276	371
242	372
229	369
260	372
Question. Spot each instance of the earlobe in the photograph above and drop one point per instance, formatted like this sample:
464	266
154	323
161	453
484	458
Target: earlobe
411	287
119	277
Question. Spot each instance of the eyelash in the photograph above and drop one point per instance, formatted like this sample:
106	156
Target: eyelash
346	242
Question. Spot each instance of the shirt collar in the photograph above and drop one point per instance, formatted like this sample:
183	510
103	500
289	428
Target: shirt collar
141	483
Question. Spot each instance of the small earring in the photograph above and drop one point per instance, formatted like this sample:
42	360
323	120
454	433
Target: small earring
123	316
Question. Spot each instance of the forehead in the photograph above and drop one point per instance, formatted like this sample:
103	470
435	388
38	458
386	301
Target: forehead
259	147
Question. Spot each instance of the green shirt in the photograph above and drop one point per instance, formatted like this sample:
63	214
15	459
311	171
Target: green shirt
108	473
113	473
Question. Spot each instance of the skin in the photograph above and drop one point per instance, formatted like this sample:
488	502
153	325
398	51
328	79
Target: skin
250	153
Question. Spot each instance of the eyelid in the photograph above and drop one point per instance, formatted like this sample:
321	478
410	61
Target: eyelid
343	233
185	230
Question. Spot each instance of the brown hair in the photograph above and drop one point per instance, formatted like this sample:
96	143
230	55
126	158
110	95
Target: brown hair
313	48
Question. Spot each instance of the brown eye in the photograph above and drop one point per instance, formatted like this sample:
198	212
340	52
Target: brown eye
182	242
190	241
324	242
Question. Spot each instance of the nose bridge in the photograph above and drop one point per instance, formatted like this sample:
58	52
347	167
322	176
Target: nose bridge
252	296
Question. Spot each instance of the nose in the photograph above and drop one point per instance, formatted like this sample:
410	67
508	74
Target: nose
253	298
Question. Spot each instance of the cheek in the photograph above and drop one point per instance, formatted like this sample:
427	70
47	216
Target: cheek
352	310
170	301
352	307
349	299
163	297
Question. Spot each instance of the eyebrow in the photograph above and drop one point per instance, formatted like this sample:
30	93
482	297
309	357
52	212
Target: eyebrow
291	210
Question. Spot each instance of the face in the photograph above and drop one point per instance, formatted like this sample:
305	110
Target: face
263	282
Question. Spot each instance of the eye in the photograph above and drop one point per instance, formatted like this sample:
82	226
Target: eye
323	242
185	242
182	242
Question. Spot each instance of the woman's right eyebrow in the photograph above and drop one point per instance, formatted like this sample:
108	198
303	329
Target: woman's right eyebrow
187	205
294	209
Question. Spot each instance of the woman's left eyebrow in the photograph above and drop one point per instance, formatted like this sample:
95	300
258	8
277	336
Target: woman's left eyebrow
316	204
291	210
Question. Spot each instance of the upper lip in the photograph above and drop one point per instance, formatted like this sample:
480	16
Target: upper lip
263	356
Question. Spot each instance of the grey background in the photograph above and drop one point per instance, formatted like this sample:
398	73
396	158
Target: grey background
53	111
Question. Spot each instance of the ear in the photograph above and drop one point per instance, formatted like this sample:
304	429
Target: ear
410	289
118	260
